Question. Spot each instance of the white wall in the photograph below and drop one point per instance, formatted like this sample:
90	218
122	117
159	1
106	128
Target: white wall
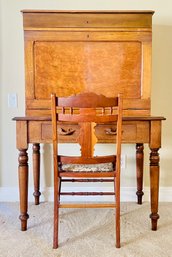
12	80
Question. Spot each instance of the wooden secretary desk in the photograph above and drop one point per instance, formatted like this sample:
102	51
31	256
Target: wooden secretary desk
107	52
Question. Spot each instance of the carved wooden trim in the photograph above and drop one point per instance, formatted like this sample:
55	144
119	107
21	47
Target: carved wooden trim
154	157
23	158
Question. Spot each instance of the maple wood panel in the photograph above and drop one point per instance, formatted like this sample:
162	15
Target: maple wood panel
67	68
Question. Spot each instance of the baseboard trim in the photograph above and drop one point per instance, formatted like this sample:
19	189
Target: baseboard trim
128	194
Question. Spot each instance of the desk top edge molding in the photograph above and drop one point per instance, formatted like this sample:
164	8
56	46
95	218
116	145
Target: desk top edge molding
48	118
88	11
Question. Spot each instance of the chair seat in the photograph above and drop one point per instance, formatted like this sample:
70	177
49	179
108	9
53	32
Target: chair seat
100	167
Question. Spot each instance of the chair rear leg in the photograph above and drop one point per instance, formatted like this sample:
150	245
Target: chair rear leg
117	194
56	222
56	213
118	228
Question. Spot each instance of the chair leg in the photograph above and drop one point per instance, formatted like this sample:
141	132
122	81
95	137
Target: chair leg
117	228
56	222
56	217
117	193
56	214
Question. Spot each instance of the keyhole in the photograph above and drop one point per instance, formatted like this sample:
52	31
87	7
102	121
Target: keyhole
88	36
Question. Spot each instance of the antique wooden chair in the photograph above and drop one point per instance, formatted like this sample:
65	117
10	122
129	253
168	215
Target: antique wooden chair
86	110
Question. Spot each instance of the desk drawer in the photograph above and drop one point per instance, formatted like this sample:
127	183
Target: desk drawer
67	133
107	133
132	132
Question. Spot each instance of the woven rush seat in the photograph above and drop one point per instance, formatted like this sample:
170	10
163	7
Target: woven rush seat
100	167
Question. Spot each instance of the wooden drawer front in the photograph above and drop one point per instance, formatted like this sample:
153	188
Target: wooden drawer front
66	133
107	133
131	133
41	132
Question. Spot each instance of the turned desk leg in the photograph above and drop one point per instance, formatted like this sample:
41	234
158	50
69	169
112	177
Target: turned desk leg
139	171
155	144
154	182
36	171
23	187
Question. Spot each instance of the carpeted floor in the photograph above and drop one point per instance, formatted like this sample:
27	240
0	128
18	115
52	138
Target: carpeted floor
85	232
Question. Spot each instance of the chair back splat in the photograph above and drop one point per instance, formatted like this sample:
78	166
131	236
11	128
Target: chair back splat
87	110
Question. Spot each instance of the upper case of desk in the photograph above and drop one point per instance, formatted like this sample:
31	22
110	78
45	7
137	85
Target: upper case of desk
104	52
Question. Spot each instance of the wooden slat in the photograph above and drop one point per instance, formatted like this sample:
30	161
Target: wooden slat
87	118
87	205
89	99
87	174
87	180
87	139
87	193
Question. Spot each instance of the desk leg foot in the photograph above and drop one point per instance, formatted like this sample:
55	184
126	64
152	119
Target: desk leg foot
23	218
36	172
23	187
139	171
154	186
154	219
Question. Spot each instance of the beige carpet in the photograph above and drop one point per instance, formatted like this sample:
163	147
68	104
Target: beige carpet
85	232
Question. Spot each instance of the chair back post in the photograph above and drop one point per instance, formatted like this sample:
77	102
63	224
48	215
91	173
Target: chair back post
54	123
54	114
118	164
119	132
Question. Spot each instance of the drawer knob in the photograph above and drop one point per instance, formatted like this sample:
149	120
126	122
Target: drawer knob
110	131
66	132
